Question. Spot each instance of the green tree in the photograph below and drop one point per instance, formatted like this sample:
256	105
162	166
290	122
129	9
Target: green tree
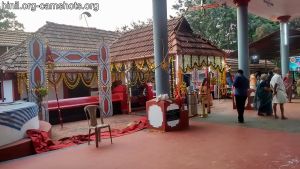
134	25
260	27
219	25
8	21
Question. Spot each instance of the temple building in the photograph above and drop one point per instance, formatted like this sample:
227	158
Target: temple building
74	52
190	58
9	39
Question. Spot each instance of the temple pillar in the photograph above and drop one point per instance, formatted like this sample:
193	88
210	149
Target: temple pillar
160	40
104	80
284	44
1	85
242	31
37	71
163	113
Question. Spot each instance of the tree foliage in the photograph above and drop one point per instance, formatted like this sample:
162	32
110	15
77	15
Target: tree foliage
134	25
8	21
219	25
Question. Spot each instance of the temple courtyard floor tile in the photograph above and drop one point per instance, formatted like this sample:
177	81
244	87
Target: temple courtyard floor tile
216	142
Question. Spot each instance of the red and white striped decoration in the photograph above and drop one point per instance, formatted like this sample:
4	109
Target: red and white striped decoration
104	81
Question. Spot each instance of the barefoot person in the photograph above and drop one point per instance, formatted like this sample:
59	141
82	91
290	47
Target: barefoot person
241	85
264	97
279	93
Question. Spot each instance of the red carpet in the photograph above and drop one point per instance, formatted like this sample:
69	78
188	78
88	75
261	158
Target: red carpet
42	142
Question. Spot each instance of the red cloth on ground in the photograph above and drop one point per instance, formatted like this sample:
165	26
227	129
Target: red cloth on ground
42	142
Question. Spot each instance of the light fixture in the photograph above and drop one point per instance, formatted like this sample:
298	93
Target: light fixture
255	59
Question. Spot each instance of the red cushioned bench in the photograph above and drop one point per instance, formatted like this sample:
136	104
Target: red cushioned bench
79	101
72	108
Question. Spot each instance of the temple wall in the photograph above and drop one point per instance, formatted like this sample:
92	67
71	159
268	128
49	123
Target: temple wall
60	92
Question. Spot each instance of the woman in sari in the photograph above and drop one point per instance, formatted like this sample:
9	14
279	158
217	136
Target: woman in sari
264	96
205	98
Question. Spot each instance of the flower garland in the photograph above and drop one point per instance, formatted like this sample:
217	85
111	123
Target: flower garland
21	80
198	62
137	71
71	80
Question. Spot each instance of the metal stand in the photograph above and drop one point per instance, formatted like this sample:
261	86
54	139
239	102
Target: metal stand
58	106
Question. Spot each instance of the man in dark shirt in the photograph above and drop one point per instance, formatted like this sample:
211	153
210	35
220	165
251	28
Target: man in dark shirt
241	85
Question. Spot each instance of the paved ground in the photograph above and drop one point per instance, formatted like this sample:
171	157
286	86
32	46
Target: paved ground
222	113
81	127
217	142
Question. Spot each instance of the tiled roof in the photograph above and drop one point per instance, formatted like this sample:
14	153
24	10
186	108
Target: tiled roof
138	43
12	38
60	37
76	38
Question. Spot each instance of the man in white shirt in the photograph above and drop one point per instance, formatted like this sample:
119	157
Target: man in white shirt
279	93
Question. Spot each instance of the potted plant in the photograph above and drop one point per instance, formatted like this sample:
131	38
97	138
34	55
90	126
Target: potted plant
40	92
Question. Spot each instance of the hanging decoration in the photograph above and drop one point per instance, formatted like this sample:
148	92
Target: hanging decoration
181	86
71	80
172	76
51	65
22	80
199	62
139	71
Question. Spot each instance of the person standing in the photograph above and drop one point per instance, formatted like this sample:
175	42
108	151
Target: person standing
264	97
241	85
279	93
288	82
258	77
270	75
298	86
228	78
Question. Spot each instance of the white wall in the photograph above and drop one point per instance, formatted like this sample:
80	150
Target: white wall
8	94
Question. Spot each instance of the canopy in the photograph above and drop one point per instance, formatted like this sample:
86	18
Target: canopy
268	47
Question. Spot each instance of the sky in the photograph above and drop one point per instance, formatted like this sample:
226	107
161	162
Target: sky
111	14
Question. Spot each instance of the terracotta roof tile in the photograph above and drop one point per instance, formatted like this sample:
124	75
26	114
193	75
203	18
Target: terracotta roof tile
138	43
75	37
12	38
60	37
